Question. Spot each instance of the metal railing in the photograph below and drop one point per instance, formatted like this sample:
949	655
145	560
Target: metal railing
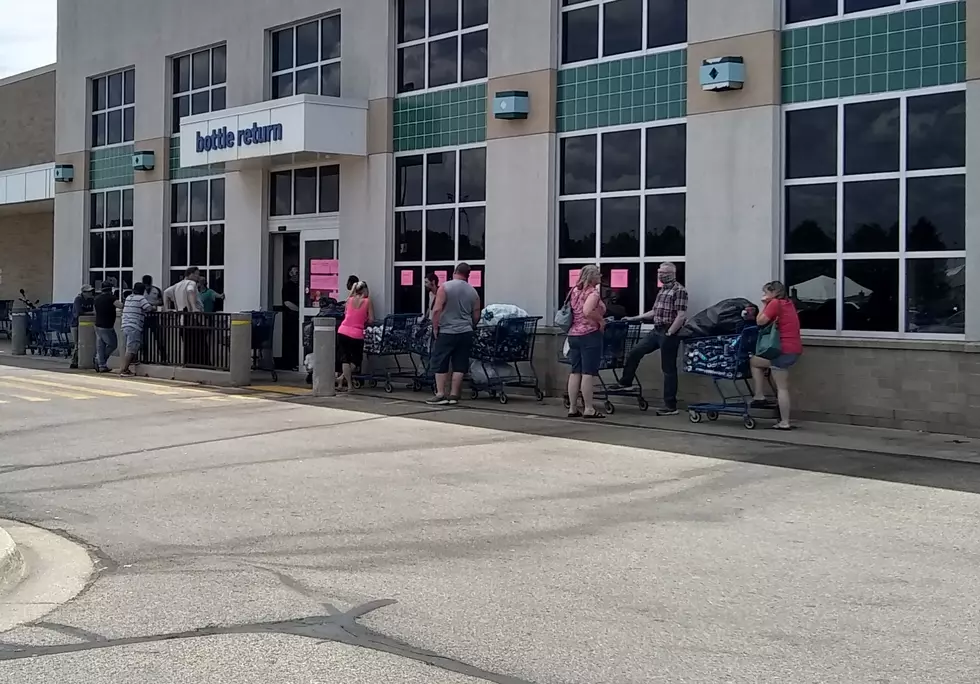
190	340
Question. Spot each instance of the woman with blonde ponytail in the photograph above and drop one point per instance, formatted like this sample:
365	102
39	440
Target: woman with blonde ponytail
358	312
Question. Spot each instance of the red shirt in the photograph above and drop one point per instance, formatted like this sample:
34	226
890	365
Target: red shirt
783	313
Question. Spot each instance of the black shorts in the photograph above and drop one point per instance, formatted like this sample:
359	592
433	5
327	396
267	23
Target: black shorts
452	350
585	353
349	350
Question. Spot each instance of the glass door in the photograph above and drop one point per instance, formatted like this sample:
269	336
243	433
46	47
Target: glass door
319	272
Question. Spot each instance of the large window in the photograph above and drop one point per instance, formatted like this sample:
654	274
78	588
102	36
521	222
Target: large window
875	214
197	230
111	238
622	205
198	82
808	10
591	29
306	59
440	220
441	43
299	192
113	108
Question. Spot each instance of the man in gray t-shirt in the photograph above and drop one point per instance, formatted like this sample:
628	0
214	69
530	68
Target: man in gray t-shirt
454	316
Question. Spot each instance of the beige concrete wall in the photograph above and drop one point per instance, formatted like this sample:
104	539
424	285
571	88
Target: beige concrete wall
928	386
27	106
26	255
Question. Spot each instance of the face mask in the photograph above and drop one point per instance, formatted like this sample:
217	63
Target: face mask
667	278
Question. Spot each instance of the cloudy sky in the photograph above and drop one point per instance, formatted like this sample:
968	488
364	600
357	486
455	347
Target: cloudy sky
28	30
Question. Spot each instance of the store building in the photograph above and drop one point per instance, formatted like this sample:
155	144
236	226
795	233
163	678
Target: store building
830	148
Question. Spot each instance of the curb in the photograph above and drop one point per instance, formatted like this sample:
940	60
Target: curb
11	562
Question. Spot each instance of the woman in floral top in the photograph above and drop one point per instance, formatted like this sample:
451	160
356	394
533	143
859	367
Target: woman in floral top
585	341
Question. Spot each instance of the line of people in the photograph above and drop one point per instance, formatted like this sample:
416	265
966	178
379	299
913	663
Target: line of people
668	316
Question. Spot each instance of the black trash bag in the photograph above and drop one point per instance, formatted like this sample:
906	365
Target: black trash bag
724	318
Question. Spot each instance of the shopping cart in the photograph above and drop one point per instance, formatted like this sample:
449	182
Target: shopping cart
49	330
387	344
725	359
263	333
421	347
618	341
501	350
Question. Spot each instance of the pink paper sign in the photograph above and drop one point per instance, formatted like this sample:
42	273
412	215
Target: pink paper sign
476	278
620	278
407	277
573	277
324	267
335	294
443	276
324	282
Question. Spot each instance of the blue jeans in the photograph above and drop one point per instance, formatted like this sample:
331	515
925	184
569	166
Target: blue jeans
105	344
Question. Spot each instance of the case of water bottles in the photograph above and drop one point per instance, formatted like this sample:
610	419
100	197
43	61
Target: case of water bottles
724	356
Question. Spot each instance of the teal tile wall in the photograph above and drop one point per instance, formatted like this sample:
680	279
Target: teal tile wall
177	173
446	117
110	167
914	48
625	91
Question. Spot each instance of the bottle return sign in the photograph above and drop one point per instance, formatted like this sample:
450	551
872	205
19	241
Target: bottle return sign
223	139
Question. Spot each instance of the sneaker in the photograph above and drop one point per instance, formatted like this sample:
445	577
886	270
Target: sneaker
619	387
667	412
73	366
452	401
126	374
438	401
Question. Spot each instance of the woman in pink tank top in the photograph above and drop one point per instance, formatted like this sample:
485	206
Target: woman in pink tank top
358	312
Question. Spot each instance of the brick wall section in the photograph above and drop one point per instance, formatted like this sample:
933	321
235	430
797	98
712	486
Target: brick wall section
27	110
933	387
26	255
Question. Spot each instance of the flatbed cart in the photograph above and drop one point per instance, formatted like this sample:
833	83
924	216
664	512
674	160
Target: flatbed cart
263	333
501	350
618	340
392	344
725	359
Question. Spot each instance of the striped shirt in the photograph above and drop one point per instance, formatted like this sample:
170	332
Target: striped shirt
134	312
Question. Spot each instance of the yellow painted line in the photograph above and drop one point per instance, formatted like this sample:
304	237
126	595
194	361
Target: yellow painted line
31	399
280	389
241	322
86	388
57	393
83	324
135	385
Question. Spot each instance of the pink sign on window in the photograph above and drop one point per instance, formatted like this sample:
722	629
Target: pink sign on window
407	277
443	276
476	278
573	277
619	278
324	267
335	294
324	282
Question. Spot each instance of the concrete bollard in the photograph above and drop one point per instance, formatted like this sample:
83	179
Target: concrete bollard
86	342
19	327
240	352
324	356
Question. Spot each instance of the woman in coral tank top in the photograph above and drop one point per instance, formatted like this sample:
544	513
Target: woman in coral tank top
779	310
358	312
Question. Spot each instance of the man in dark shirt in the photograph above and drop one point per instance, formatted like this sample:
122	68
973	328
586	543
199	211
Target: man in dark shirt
106	342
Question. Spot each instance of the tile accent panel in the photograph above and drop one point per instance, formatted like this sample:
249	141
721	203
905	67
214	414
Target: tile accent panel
914	48
457	116
111	167
626	91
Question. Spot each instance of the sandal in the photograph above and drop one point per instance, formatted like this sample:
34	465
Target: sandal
576	414
593	416
777	426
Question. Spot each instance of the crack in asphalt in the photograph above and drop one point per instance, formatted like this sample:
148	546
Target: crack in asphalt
336	627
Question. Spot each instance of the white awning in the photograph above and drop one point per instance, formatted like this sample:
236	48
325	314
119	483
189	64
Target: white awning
303	123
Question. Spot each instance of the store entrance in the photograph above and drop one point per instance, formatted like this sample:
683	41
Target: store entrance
305	269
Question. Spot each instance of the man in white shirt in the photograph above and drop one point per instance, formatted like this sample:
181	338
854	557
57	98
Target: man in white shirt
185	292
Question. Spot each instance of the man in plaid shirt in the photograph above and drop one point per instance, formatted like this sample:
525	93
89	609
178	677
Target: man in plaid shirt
667	315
